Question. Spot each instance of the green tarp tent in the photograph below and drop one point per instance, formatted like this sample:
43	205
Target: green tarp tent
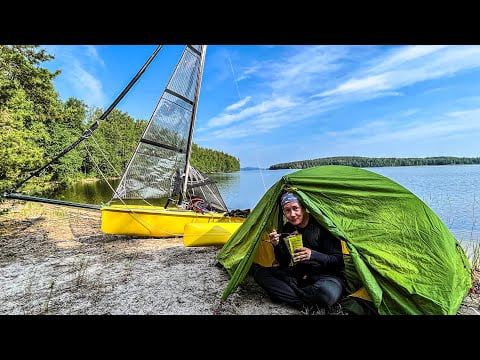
399	249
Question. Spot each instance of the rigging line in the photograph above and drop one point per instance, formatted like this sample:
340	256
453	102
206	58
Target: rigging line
261	174
103	176
111	165
240	98
212	193
100	171
234	76
134	214
92	128
104	156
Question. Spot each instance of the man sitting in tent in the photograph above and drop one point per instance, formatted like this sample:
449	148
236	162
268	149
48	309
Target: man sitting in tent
313	275
398	255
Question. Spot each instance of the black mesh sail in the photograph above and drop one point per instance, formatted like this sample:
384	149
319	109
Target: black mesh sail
156	169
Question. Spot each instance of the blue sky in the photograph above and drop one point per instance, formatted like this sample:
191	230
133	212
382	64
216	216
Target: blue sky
271	104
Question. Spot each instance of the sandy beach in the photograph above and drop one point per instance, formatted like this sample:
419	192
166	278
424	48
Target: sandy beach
56	260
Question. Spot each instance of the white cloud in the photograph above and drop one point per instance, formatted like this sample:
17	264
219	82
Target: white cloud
87	85
409	112
247	73
370	84
459	123
313	80
239	104
409	66
93	54
78	64
306	70
433	90
256	110
404	55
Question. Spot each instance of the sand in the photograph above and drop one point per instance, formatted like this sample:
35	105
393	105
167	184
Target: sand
56	260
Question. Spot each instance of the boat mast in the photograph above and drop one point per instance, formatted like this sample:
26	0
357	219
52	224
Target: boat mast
183	194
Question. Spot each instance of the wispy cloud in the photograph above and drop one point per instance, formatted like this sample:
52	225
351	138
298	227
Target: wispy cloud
93	54
310	81
408	113
239	104
78	64
434	90
405	55
86	84
454	123
305	70
409	66
371	84
256	110
247	73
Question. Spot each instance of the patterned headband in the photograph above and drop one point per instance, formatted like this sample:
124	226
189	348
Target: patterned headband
288	197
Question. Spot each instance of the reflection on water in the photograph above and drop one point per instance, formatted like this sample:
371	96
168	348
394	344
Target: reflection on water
88	192
98	192
451	191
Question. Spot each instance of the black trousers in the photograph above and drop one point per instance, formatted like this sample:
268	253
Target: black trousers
283	286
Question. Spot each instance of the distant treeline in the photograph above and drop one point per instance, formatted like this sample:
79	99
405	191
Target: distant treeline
359	161
209	161
36	125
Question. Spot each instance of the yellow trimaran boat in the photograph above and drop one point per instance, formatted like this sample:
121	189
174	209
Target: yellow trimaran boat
159	169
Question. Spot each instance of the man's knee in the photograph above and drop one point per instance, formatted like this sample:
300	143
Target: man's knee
325	293
260	274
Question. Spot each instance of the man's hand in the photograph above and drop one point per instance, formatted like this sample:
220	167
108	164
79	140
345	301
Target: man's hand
274	237
302	254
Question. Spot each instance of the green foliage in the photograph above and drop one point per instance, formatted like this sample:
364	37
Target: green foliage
209	161
18	65
63	133
36	126
28	103
358	161
19	149
113	143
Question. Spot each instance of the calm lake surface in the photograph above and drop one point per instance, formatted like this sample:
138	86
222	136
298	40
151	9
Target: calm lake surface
453	192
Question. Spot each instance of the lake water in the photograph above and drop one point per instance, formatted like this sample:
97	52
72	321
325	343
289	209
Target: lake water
453	192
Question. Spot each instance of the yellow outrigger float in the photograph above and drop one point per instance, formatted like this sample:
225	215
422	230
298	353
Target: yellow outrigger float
207	234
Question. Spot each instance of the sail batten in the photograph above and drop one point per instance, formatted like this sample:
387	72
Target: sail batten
168	147
168	91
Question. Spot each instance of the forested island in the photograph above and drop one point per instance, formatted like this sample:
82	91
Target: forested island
209	161
359	161
36	125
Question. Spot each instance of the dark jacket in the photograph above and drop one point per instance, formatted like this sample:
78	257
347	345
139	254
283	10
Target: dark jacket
326	258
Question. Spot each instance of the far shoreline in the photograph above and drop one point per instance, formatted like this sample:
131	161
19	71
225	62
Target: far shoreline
367	162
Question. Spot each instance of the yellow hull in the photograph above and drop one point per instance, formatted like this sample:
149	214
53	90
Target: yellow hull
154	221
